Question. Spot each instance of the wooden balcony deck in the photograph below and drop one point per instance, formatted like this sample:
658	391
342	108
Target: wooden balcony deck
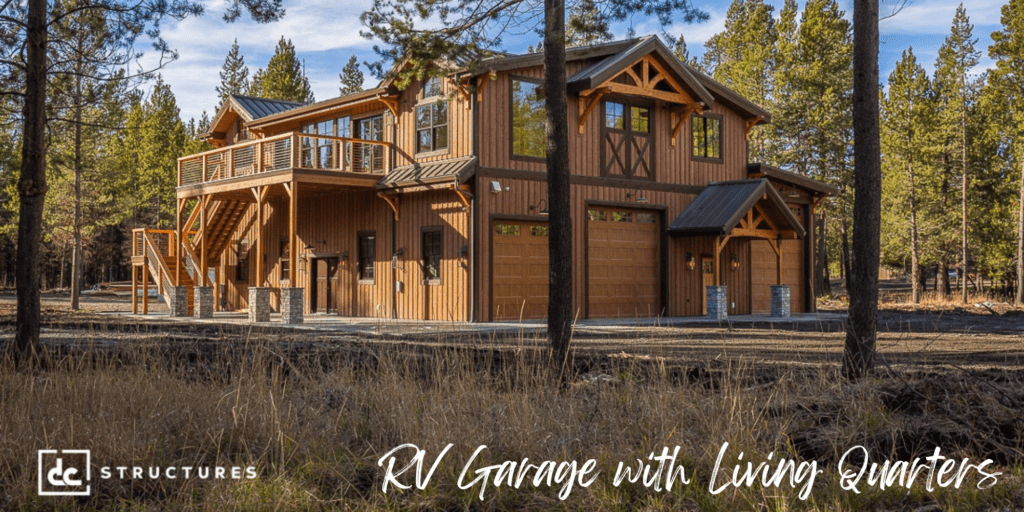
320	159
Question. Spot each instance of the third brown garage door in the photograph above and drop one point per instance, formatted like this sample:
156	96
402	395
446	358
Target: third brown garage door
520	281
623	263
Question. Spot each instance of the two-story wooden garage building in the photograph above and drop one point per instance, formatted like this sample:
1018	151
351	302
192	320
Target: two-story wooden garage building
430	202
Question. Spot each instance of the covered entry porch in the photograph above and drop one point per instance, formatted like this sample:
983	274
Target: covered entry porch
723	229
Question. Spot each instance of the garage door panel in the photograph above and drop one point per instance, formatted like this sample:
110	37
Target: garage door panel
520	279
623	263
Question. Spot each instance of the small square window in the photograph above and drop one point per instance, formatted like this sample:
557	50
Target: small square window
432	87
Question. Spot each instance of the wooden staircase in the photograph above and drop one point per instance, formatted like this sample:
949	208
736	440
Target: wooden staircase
224	219
186	281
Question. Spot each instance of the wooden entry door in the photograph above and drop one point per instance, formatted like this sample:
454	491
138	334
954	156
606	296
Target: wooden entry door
707	278
323	283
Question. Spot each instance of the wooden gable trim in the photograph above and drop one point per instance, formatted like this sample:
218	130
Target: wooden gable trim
645	84
392	201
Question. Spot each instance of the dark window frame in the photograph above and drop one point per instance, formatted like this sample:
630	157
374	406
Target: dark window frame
721	137
432	104
628	105
363	257
284	261
242	261
357	132
511	119
432	87
435	260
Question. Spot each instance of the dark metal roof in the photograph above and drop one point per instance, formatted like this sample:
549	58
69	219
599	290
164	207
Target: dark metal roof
460	169
256	108
720	206
793	178
320	107
598	73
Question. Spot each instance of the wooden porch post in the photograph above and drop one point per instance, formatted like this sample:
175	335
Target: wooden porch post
145	284
718	255
293	241
175	244
203	202
260	193
135	290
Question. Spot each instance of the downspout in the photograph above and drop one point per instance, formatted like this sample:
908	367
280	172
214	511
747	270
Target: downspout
473	214
394	227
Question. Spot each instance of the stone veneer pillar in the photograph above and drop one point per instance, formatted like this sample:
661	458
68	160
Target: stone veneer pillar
718	303
291	305
179	301
780	300
259	304
202	305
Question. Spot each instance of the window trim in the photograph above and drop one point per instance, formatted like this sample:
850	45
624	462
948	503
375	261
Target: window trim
721	138
423	88
360	279
239	262
356	133
283	261
511	133
432	281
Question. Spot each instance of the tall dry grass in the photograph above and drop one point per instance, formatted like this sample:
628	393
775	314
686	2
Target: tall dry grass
315	421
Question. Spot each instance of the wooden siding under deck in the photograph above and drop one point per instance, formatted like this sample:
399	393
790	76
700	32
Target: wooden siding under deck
330	222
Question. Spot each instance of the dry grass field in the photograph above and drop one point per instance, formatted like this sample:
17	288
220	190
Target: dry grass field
312	416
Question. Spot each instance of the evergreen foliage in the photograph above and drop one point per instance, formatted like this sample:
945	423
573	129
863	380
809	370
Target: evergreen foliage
351	77
234	77
284	77
586	24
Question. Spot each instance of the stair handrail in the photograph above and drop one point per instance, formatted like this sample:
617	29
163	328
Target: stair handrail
158	267
191	262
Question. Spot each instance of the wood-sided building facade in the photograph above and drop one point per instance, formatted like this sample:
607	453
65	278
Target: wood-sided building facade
430	202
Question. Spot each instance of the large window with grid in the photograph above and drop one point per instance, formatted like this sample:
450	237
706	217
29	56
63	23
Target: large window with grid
432	255
527	119
432	126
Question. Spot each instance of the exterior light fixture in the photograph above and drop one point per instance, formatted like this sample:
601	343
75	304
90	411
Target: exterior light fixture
544	210
691	262
735	261
495	187
637	197
464	251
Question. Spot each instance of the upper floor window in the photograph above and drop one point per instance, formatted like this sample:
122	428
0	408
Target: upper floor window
369	157
432	126
707	137
527	119
626	143
432	87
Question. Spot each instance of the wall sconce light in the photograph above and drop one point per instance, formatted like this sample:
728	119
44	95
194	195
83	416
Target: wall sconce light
637	197
793	192
400	251
464	251
344	256
691	262
544	210
735	261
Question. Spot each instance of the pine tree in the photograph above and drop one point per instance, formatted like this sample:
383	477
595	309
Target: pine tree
284	78
1007	84
908	143
679	49
351	77
957	96
745	59
586	25
234	77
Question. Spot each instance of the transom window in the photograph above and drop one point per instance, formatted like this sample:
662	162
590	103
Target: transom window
707	137
527	119
432	254
432	87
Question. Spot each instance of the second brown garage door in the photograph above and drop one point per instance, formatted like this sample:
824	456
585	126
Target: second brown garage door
623	263
520	280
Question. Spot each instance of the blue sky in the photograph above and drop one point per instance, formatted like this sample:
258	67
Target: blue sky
326	33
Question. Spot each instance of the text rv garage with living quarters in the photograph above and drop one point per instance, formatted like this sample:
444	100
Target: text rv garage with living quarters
430	202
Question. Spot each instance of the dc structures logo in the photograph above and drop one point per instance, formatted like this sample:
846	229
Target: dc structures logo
64	473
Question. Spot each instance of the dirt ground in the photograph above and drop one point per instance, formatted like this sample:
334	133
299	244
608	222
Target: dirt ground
971	336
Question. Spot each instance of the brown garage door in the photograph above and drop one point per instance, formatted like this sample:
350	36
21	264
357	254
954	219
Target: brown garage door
520	282
623	263
763	274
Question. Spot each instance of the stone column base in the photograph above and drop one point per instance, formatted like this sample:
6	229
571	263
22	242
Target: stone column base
259	304
780	301
718	303
202	305
291	305
179	301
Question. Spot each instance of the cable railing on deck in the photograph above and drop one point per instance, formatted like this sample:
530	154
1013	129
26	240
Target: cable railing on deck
288	151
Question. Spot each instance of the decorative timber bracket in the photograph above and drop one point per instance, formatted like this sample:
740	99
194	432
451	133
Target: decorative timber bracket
392	201
749	124
587	104
391	103
465	196
679	117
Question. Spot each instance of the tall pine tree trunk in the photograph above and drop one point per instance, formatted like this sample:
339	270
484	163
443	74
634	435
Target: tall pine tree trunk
31	185
943	285
861	327
557	146
824	287
916	283
845	233
76	258
1020	239
963	182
